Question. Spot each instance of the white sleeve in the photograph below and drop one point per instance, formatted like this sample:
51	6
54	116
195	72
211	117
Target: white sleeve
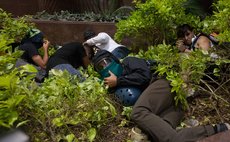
101	38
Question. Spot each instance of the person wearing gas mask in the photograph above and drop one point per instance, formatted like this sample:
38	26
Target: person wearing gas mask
30	45
127	79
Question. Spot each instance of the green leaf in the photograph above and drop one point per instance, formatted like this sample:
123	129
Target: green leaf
29	68
216	72
57	122
22	123
112	109
91	133
70	137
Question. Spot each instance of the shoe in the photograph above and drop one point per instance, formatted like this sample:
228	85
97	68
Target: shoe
221	127
137	136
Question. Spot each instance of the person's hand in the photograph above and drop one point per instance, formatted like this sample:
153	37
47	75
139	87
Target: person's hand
46	44
111	81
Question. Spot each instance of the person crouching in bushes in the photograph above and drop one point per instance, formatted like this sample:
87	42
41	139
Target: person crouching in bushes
69	57
30	44
103	41
187	41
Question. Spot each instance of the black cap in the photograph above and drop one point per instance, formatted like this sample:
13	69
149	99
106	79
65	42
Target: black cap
89	34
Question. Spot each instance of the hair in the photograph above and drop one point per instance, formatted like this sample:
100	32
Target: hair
89	34
182	30
89	51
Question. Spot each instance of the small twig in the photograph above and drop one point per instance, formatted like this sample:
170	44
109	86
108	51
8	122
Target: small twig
213	93
211	79
221	86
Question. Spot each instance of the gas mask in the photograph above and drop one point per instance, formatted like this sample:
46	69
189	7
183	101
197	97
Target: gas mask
104	62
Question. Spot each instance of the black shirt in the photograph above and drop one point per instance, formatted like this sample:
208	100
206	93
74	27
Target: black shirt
135	73
30	50
70	53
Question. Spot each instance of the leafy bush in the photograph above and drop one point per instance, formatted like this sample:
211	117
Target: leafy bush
62	106
219	21
10	31
14	29
154	21
59	109
184	71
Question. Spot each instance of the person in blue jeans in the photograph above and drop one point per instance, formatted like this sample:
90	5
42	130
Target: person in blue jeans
69	57
105	42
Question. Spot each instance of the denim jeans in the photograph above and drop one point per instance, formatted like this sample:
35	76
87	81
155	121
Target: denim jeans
71	70
120	52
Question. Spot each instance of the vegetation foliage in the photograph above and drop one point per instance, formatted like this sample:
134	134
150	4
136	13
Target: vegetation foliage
64	109
59	109
155	22
115	16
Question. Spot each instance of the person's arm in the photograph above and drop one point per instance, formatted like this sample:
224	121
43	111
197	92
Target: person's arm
181	46
86	61
100	38
42	61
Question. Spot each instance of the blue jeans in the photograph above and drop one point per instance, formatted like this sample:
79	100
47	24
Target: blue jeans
120	52
70	69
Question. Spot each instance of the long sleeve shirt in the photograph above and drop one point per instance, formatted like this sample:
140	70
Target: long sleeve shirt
103	41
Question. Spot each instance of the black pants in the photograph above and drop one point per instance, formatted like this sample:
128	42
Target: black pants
155	113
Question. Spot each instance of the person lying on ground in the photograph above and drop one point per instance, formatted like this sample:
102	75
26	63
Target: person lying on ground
103	41
157	116
127	79
69	57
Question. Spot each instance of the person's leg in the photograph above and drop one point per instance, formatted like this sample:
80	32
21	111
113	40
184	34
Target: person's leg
120	52
157	100
70	69
173	116
193	134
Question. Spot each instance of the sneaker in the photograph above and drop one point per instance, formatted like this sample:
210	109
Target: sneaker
221	127
137	136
